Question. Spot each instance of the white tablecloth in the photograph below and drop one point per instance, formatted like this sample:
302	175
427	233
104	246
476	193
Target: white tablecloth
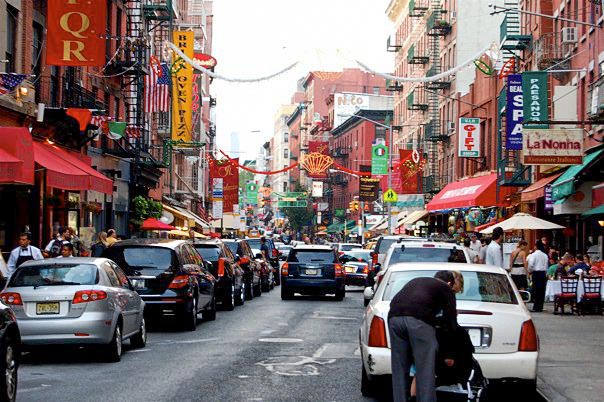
553	288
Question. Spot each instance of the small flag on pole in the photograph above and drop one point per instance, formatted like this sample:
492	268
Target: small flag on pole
10	81
157	89
116	130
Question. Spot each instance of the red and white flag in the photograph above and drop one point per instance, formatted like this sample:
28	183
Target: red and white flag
157	89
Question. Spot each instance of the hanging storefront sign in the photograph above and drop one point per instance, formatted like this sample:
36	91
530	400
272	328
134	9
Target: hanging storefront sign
317	189
251	193
534	89
230	176
548	201
379	159
410	202
369	189
182	88
74	29
561	146
411	164
469	137
205	60
514	113
217	209
217	188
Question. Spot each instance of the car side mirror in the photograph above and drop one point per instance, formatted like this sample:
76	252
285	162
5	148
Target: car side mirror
368	294
526	296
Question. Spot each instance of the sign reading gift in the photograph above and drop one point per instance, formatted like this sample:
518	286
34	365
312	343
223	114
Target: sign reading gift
74	32
469	137
560	146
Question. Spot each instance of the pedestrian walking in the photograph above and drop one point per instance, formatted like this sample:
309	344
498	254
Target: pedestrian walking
264	248
538	263
112	237
96	250
411	323
467	245
66	251
494	252
475	243
25	252
519	266
53	248
482	255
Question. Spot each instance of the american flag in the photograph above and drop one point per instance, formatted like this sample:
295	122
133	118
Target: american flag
10	81
133	131
157	90
100	121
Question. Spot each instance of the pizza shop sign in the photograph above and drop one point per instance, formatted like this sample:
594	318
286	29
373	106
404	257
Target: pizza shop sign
561	146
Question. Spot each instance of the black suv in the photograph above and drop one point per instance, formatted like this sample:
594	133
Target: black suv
244	256
230	285
170	276
10	350
273	255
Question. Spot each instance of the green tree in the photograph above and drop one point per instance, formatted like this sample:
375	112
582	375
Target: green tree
299	217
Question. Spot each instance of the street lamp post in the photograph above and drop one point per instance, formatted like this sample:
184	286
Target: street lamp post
390	148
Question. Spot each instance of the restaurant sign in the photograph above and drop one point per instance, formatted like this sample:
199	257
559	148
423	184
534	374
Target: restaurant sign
560	146
469	137
369	189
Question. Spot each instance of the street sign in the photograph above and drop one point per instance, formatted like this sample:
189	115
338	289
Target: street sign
251	191
292	204
217	188
390	196
379	159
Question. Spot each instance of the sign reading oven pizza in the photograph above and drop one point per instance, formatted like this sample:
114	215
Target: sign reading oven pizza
469	137
560	146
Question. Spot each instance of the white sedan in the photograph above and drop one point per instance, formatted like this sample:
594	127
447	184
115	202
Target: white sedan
490	308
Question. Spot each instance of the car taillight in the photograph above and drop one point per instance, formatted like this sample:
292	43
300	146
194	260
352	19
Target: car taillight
86	296
244	260
528	338
275	252
179	281
284	269
374	258
366	270
377	333
12	298
339	270
220	267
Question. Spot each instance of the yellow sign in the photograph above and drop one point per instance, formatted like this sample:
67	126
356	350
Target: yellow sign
390	196
182	88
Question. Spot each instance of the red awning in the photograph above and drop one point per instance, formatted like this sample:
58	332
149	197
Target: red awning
537	189
475	192
16	158
67	172
155	224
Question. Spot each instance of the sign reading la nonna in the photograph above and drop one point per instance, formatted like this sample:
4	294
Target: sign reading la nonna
561	146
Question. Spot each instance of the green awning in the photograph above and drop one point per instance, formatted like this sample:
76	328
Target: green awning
339	227
564	186
594	211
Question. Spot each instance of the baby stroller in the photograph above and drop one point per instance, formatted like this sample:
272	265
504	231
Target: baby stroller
458	375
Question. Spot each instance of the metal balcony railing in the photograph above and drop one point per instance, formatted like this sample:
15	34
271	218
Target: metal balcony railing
549	50
77	96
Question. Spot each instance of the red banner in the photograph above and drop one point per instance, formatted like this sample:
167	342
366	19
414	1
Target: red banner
74	29
411	167
230	174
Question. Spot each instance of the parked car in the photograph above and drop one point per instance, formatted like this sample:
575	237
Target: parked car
229	288
170	276
284	251
252	268
384	242
10	352
343	247
87	301
273	254
358	267
268	277
490	308
314	270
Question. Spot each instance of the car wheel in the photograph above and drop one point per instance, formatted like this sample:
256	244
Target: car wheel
189	319
340	294
209	314
114	349
139	340
277	278
368	386
286	294
9	365
228	300
249	291
240	301
266	287
258	290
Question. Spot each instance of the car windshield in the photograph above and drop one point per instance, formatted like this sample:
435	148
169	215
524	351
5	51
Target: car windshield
426	254
384	244
356	255
255	243
348	247
478	286
208	252
133	258
232	245
55	275
312	256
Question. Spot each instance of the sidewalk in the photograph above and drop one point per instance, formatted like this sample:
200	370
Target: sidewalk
571	367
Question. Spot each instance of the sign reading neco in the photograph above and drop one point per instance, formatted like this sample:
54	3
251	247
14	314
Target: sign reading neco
561	146
74	32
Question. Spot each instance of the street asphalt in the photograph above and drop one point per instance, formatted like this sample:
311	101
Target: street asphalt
267	350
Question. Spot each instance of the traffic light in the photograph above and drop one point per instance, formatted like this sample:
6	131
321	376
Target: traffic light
353	205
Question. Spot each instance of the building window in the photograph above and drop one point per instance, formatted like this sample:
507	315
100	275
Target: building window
12	24
286	153
286	137
376	90
285	187
36	49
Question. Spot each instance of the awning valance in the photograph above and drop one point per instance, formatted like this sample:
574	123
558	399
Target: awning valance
67	171
595	211
16	157
537	189
412	218
564	186
474	192
186	215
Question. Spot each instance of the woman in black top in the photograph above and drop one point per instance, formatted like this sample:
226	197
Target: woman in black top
518	265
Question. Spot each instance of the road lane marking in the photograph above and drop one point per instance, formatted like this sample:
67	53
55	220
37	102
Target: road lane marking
267	331
281	340
186	341
319	352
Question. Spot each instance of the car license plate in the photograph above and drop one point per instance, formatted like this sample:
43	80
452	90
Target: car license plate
47	308
475	336
350	270
138	283
312	271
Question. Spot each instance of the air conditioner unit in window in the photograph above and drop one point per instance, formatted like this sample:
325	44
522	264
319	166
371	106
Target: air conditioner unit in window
569	35
451	126
453	16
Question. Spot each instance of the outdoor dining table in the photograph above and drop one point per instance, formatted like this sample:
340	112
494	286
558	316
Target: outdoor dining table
553	288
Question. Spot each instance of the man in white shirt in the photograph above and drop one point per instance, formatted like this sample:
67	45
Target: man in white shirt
538	262
53	248
471	253
66	251
494	253
475	243
21	254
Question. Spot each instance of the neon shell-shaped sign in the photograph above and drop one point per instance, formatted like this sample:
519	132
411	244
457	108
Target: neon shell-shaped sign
205	60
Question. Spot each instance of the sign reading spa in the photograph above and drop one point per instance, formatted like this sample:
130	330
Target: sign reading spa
561	146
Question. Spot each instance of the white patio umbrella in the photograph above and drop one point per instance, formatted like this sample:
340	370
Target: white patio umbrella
522	221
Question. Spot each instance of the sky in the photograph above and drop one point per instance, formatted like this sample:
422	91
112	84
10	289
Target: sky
255	38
